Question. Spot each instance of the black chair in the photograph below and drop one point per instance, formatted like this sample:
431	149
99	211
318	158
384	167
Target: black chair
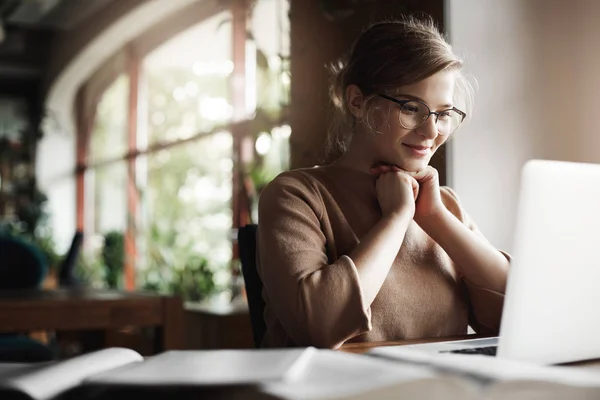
23	267
66	272
23	264
254	286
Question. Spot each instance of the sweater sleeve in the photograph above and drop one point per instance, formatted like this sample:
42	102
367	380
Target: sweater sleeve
318	302
485	304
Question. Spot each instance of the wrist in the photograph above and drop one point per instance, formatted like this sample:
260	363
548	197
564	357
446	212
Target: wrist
400	217
434	222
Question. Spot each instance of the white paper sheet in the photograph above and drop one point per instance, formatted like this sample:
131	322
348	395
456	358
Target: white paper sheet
47	382
335	374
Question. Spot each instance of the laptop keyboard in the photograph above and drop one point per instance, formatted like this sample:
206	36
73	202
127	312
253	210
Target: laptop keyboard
487	351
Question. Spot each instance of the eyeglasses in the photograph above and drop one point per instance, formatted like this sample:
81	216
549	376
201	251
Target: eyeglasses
414	113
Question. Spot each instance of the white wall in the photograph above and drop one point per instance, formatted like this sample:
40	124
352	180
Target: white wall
55	166
538	68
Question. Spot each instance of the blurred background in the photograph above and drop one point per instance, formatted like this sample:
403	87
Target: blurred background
151	126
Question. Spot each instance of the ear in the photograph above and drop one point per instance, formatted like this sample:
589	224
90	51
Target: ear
354	99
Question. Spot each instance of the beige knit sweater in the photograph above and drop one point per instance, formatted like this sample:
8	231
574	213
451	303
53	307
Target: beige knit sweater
309	221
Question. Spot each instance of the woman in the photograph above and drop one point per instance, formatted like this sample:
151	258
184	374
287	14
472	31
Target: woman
370	248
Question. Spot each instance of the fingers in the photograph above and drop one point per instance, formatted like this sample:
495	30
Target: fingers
379	169
415	187
405	178
425	174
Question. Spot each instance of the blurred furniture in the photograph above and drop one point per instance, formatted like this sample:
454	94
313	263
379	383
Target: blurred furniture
254	286
98	311
22	267
66	271
210	326
23	264
22	349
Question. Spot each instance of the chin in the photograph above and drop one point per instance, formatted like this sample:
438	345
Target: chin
413	165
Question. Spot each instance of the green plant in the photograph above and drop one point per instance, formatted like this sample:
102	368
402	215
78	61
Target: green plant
30	205
113	256
38	234
91	270
178	268
195	281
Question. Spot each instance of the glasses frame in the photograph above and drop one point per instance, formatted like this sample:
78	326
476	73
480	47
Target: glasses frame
401	103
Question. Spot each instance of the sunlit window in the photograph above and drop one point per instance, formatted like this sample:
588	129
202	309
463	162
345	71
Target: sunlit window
177	202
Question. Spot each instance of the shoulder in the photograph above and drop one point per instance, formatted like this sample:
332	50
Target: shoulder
290	187
298	180
452	202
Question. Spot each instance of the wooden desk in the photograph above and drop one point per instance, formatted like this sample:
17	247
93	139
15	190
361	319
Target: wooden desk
85	309
209	326
360	348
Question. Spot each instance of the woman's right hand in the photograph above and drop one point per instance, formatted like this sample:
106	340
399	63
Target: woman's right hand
397	192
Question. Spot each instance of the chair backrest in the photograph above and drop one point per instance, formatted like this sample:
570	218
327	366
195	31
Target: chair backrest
254	286
66	274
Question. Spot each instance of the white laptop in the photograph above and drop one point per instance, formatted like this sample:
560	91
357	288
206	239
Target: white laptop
552	302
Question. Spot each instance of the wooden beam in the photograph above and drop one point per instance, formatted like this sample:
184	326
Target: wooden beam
133	198
180	21
238	98
20	71
68	44
84	117
240	128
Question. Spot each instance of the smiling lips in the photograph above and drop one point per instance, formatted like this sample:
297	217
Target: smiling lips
417	150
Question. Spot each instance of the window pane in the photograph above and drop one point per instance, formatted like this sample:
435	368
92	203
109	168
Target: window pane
270	27
109	135
188	213
274	153
188	81
106	204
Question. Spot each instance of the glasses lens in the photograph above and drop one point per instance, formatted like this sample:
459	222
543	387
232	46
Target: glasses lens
413	114
448	121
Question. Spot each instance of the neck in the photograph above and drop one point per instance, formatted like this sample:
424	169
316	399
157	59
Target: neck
360	155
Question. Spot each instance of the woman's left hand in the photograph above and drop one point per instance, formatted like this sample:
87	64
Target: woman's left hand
429	203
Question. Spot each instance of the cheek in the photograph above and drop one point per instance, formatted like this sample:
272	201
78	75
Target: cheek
440	140
382	119
393	129
378	120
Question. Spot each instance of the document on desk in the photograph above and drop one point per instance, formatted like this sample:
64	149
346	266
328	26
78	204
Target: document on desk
337	375
202	368
121	368
44	381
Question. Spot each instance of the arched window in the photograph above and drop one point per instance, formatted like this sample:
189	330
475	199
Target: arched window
210	130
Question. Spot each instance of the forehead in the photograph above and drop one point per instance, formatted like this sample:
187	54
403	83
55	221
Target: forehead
436	90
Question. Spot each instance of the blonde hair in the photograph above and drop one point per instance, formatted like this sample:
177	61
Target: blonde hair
386	56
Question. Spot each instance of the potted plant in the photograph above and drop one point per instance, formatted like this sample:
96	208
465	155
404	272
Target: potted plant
113	255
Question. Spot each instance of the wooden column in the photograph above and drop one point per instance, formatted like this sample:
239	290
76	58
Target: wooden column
133	70
241	153
85	112
82	141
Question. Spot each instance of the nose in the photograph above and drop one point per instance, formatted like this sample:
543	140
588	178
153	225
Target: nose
428	129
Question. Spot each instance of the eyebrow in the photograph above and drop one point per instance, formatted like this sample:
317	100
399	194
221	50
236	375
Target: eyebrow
412	97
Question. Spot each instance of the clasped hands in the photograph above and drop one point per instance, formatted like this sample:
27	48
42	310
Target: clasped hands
400	191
